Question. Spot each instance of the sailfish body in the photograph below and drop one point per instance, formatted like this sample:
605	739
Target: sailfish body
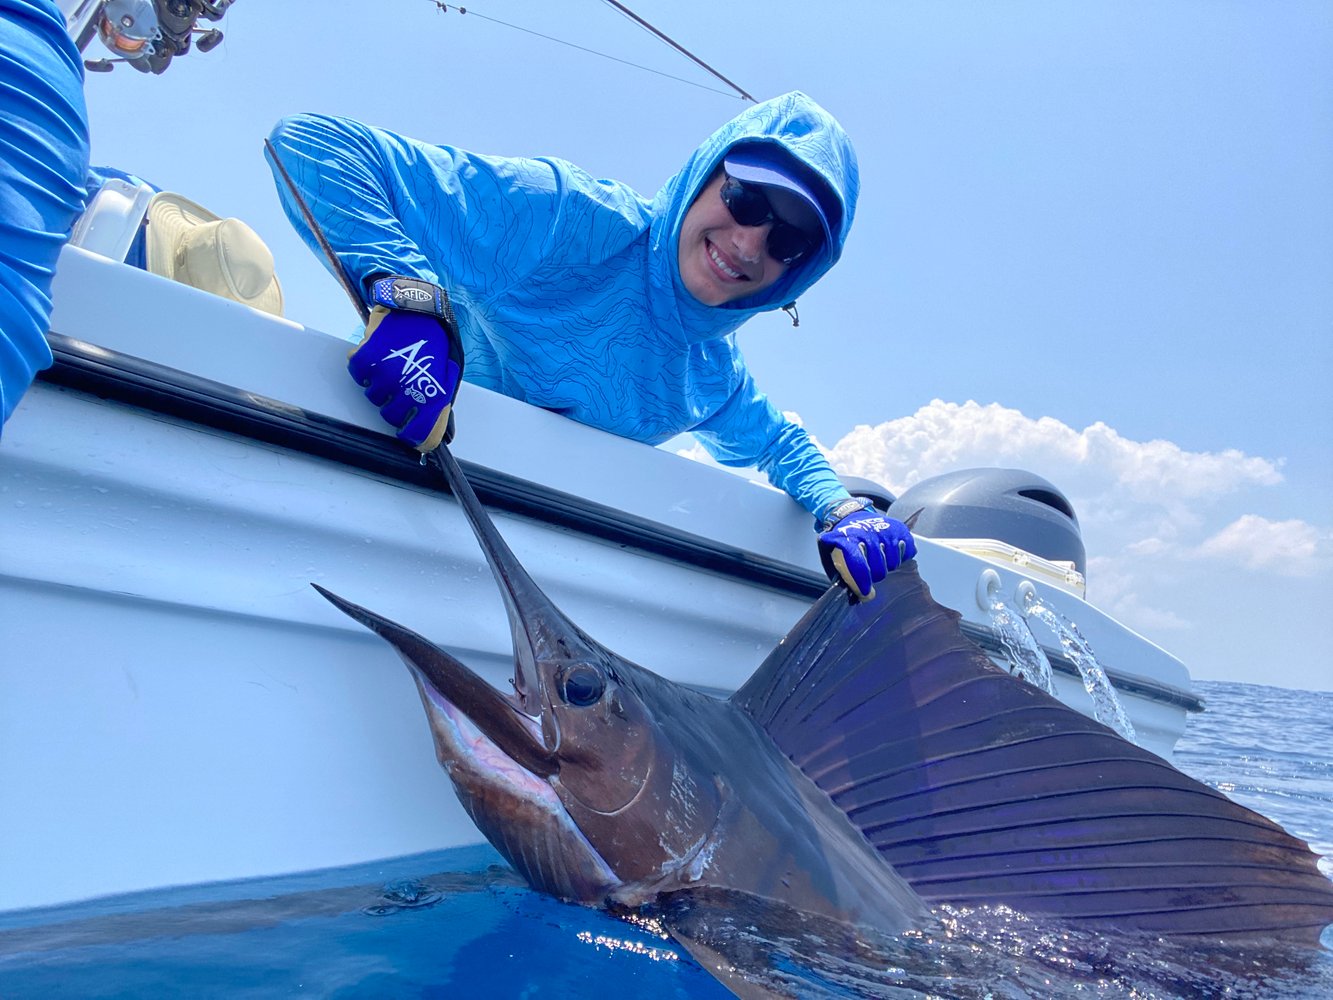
601	781
876	762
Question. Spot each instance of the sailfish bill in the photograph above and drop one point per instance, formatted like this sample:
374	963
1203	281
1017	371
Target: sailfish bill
876	762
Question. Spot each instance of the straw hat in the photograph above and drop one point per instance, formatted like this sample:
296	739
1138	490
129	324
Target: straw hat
188	243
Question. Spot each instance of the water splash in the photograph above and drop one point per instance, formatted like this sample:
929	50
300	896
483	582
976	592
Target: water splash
404	894
1021	647
1106	707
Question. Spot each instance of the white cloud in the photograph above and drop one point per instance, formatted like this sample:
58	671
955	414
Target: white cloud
1117	586
1154	515
944	436
1289	548
694	451
1149	619
1148	548
1158	521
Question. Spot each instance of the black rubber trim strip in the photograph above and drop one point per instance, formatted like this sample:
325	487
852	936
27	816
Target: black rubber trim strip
150	386
169	391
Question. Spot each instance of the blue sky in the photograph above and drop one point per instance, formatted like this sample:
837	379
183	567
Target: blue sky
1095	240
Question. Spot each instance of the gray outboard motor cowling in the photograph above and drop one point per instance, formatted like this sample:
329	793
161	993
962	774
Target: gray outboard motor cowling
1010	505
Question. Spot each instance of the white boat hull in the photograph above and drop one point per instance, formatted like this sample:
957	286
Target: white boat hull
178	706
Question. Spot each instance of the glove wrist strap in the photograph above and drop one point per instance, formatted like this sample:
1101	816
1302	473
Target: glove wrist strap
411	295
842	509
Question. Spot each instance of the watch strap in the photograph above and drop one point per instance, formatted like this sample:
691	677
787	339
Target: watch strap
841	509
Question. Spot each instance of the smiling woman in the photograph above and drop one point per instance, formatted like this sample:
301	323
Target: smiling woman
722	260
750	223
581	296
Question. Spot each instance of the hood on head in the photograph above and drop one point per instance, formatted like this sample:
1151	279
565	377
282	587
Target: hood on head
806	132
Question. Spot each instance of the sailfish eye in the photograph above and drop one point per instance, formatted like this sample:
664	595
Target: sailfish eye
581	685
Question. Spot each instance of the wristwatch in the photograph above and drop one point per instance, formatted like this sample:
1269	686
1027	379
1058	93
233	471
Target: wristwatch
840	510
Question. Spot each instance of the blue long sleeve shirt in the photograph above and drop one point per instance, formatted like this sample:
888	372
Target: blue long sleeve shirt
43	160
567	288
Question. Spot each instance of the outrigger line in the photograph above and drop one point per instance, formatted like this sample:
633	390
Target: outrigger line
675	45
444	8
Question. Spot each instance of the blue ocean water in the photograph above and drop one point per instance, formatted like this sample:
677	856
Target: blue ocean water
461	924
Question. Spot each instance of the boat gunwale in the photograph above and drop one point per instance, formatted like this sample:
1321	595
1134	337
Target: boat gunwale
138	382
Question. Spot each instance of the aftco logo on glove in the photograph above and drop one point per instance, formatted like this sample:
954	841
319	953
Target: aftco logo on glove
417	380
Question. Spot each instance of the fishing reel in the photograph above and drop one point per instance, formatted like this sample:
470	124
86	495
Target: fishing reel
148	34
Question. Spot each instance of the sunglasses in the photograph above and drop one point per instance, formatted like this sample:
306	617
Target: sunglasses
749	206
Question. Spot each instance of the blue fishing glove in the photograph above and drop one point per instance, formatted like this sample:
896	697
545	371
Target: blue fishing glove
859	545
410	360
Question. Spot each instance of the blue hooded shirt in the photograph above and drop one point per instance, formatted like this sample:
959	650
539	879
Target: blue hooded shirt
567	288
43	159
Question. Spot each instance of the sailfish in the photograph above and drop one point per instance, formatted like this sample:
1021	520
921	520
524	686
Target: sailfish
875	764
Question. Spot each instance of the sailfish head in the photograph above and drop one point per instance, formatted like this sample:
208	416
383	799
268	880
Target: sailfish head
570	776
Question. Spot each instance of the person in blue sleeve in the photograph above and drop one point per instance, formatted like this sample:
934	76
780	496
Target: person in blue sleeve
581	296
43	161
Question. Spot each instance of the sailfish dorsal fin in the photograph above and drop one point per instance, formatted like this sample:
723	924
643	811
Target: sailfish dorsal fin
979	789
